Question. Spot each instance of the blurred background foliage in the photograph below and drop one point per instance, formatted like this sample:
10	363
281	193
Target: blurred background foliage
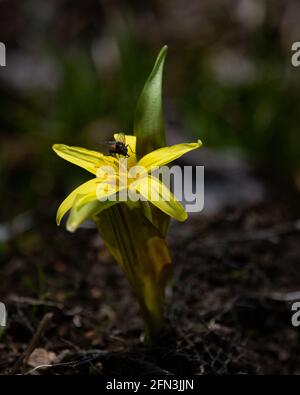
75	70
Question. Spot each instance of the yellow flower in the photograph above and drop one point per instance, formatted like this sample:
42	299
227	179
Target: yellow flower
104	189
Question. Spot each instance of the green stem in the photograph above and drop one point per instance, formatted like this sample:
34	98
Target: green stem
150	296
143	259
152	308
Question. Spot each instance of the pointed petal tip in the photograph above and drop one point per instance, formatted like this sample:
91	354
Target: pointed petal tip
57	147
58	220
184	217
71	228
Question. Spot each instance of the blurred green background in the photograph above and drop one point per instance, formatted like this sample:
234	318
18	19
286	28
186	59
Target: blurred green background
75	70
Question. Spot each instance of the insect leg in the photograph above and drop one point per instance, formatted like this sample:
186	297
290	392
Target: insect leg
112	152
130	149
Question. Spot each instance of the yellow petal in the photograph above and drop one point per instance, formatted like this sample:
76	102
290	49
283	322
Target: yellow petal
158	194
83	189
86	206
165	155
131	142
103	192
81	212
87	159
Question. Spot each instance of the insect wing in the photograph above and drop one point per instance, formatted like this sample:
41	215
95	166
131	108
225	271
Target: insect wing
121	138
107	145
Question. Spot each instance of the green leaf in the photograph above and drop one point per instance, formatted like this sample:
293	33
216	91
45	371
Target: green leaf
149	120
149	125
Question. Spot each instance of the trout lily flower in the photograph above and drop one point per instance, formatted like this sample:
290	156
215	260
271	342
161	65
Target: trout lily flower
118	179
130	205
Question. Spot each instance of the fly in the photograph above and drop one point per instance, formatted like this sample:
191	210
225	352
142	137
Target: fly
119	147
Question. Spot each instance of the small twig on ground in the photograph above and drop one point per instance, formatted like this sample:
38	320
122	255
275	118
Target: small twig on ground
34	340
86	357
72	364
34	302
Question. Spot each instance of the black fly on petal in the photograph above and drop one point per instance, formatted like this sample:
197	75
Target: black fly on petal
119	147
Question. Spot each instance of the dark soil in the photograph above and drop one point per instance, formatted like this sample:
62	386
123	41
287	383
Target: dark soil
232	276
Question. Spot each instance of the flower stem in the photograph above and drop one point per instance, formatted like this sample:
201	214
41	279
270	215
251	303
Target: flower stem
143	255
